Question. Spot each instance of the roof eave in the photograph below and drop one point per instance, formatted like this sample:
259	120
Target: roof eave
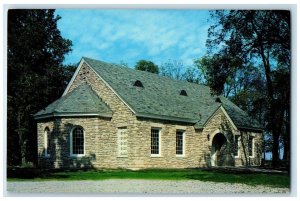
168	118
73	77
49	115
198	127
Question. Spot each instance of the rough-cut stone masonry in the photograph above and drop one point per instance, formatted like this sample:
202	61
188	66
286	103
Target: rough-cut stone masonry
101	144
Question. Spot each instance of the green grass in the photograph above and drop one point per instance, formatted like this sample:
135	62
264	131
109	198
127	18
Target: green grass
273	180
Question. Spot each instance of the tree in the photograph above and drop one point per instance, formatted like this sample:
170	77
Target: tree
238	39
36	76
281	81
148	66
203	64
172	69
176	70
213	68
191	75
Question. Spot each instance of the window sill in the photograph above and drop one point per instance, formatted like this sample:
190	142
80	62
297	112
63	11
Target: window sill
155	156
180	156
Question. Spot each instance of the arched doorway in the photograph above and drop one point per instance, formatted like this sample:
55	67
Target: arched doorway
218	147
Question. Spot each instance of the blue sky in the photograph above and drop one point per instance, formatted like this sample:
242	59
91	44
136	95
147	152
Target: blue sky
132	35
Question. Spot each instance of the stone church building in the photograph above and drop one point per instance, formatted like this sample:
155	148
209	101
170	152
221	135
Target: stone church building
115	117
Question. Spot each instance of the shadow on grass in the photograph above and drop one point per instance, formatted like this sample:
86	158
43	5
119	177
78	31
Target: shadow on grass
36	173
243	170
23	173
244	176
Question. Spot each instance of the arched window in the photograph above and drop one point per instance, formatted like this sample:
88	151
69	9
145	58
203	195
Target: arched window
77	141
47	141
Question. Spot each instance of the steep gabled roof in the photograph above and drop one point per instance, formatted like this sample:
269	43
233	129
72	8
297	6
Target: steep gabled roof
82	101
240	118
163	98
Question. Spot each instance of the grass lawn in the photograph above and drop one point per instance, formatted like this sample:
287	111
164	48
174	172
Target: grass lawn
273	180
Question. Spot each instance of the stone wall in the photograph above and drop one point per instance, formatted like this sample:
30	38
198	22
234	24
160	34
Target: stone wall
101	145
140	149
220	123
102	131
96	134
101	136
244	158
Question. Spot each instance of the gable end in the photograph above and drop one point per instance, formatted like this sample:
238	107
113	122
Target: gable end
225	113
76	73
73	77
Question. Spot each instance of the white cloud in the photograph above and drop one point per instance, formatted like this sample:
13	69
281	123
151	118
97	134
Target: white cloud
140	33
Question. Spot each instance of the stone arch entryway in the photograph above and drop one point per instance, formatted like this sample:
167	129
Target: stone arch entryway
218	150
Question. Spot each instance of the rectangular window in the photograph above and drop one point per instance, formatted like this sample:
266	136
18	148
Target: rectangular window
250	146
122	142
155	142
179	142
236	145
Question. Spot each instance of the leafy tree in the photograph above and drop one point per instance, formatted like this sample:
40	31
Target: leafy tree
36	76
238	39
148	66
176	70
203	64
211	70
191	74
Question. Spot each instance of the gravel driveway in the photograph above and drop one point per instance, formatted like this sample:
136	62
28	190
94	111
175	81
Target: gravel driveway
137	186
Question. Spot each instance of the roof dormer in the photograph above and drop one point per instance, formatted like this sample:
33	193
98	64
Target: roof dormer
183	93
138	83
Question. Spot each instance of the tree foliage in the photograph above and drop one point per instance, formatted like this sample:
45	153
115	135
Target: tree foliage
176	70
148	66
36	75
241	39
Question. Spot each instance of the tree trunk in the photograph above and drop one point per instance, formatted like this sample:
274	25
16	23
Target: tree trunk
274	115
286	147
244	148
286	139
275	148
22	145
277	123
275	133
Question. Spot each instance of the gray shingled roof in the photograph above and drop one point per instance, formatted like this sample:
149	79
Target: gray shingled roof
81	101
160	96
